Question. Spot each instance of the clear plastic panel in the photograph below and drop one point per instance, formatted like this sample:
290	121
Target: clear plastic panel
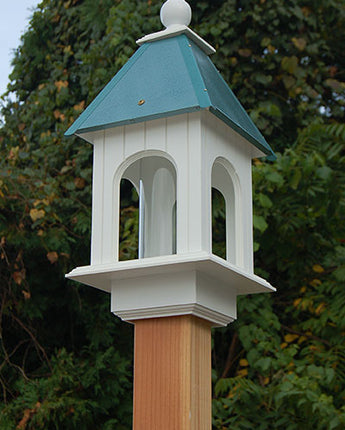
155	179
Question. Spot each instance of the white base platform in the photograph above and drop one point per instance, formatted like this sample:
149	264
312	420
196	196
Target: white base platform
198	284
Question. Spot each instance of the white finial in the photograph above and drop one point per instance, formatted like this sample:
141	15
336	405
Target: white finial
175	12
176	16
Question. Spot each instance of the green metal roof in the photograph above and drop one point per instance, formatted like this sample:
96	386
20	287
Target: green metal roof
164	78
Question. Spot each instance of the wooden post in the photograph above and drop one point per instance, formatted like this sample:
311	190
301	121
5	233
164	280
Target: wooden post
172	374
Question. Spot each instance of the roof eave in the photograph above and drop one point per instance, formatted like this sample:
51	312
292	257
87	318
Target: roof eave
225	118
135	120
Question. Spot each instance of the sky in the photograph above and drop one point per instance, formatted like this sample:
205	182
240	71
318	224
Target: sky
14	19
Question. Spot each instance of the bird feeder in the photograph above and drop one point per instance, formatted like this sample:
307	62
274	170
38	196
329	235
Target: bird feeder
168	123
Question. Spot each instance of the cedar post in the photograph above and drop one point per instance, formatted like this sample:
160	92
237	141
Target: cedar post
172	374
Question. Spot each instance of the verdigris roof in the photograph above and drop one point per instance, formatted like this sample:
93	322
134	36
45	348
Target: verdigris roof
164	78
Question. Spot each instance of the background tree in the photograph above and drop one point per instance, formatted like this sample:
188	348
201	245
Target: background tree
65	360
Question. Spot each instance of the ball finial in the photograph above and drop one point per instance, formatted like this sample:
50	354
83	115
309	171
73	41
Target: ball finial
175	12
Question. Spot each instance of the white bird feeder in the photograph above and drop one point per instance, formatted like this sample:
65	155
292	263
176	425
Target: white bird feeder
169	124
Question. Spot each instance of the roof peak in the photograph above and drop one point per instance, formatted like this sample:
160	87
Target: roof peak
176	15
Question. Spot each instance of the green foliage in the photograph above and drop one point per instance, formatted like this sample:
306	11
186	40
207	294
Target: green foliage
65	361
290	356
74	395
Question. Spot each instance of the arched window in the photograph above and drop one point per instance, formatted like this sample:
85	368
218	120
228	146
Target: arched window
218	224
223	212
154	178
129	221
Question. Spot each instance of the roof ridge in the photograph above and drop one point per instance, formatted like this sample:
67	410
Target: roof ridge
197	80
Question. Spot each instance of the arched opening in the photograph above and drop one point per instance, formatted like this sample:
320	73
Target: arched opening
223	213
154	179
129	221
218	224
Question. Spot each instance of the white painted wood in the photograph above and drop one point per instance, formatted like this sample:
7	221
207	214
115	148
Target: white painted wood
196	151
217	319
97	201
167	285
113	155
177	144
176	30
196	232
134	139
226	185
155	135
217	266
222	143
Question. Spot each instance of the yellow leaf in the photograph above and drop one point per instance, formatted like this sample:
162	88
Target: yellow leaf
19	276
244	362
266	380
242	373
56	114
59	115
301	339
271	49
80	106
303	289
315	282
318	269
290	337
283	345
52	257
297	302
320	308
36	214
67	49
299	42
61	84
26	294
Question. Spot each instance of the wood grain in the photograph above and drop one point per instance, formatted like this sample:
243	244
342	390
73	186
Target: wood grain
172	374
